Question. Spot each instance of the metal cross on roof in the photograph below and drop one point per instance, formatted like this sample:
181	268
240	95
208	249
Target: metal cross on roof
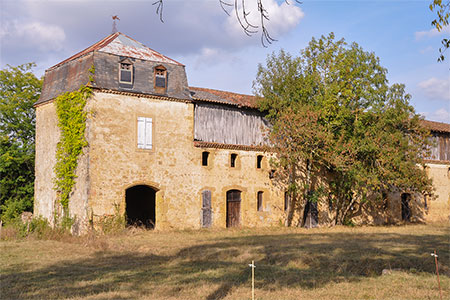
114	27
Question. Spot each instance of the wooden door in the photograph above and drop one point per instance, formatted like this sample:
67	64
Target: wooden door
233	208
206	209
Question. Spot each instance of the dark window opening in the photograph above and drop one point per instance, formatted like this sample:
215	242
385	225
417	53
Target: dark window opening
140	206
259	159
406	210
205	156
126	73
259	204
271	174
233	208
233	160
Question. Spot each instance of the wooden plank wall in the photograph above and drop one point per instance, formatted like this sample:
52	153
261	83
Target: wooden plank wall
228	125
441	148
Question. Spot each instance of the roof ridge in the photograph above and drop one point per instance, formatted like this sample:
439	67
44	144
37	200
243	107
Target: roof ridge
201	88
103	42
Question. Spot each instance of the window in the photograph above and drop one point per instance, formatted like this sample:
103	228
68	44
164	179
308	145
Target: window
271	174
126	72
160	79
259	159
205	156
144	130
233	160
259	204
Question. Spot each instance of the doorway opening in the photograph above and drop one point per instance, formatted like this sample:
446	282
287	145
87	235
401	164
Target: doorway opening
233	208
406	209
140	206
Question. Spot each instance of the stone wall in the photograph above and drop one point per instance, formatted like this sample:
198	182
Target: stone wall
439	206
47	136
173	167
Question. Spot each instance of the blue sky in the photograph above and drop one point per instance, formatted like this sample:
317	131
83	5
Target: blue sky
216	52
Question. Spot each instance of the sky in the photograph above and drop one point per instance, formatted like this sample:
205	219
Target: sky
219	55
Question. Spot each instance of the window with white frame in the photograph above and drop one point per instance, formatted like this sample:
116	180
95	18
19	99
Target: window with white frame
144	136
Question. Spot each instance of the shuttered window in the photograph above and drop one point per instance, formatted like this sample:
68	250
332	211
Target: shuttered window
144	133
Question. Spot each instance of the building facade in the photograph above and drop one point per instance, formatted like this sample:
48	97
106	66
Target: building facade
162	153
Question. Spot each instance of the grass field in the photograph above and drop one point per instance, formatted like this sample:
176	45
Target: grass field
291	263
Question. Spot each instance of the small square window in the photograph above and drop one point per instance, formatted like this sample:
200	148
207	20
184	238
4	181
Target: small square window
205	156
233	160
126	72
259	159
160	80
259	204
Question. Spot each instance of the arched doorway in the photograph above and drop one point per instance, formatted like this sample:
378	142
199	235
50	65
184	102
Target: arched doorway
233	208
140	206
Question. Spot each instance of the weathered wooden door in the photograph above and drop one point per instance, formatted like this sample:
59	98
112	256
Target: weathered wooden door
206	209
311	215
233	208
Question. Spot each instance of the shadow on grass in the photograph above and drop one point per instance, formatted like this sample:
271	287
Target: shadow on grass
297	260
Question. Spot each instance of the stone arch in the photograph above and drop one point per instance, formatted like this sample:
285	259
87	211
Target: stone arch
140	205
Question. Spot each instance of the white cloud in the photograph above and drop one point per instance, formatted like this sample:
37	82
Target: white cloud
282	18
44	37
440	115
431	33
436	88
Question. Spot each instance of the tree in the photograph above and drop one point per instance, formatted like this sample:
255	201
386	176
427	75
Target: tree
340	132
19	90
442	9
241	12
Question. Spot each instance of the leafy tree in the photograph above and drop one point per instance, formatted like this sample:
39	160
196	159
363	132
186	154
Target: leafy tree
339	127
19	90
442	9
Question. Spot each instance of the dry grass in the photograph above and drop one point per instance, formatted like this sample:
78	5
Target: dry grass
336	263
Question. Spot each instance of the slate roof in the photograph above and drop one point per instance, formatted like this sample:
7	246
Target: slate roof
122	45
436	126
217	96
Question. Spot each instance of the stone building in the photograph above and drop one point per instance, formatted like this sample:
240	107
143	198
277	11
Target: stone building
162	153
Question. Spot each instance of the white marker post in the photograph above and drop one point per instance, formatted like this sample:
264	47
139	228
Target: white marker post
253	278
437	272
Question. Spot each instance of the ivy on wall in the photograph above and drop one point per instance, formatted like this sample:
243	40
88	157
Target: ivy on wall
71	113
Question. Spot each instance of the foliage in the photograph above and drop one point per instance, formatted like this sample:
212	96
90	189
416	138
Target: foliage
336	121
442	9
70	109
19	90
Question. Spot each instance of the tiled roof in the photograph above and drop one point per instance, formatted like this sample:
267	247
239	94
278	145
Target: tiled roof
201	144
210	95
436	126
123	45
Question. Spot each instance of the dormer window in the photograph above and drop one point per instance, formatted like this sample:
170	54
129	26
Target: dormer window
160	80
126	72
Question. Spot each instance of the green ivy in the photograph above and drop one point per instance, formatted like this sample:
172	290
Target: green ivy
70	109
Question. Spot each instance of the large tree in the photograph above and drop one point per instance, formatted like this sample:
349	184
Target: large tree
442	9
340	131
19	90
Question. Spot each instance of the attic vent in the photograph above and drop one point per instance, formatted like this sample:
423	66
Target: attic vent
126	72
160	80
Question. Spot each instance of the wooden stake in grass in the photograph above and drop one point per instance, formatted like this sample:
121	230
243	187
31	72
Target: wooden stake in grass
253	278
437	271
